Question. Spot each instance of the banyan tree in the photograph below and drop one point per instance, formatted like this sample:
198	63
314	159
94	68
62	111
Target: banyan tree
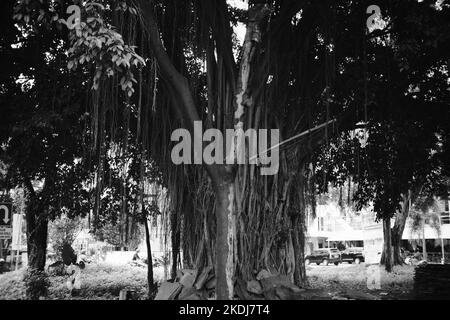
161	65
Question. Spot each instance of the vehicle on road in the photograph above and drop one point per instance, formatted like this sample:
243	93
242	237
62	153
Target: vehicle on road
352	255
324	256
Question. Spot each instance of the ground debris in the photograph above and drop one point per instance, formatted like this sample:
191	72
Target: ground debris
187	280
359	295
254	286
168	291
189	284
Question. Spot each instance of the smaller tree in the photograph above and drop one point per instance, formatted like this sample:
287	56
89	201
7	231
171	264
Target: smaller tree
63	231
425	211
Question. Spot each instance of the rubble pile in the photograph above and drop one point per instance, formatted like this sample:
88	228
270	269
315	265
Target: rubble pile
200	285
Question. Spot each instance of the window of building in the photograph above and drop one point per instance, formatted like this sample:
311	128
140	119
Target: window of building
446	205
445	218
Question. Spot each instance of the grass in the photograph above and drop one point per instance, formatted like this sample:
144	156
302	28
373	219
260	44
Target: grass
397	284
12	286
104	282
99	282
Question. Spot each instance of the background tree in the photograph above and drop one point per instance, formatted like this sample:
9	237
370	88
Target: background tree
64	230
402	114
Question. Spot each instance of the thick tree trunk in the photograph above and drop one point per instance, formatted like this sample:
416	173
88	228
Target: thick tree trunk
387	246
225	239
36	239
397	231
150	281
396	246
220	175
299	245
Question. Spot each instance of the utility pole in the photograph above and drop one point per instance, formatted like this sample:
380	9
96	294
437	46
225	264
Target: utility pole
442	240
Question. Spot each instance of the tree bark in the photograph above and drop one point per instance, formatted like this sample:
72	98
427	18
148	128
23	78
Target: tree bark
37	229
397	231
225	238
399	228
175	239
150	281
222	176
299	245
387	246
37	233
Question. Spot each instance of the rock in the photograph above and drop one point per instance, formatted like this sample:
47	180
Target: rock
168	291
182	272
296	289
254	286
281	286
271	294
193	297
313	294
187	280
276	281
358	295
203	277
284	293
240	289
187	292
189	271
263	274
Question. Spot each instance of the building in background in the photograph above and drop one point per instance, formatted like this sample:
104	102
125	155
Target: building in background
334	226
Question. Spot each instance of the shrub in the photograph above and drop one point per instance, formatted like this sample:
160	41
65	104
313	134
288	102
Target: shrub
37	284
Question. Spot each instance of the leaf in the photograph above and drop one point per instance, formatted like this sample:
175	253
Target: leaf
17	16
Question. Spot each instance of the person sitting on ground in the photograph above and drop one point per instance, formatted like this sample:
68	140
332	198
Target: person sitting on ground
74	281
137	259
136	255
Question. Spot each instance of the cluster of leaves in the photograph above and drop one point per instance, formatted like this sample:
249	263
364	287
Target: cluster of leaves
41	126
95	41
35	14
403	109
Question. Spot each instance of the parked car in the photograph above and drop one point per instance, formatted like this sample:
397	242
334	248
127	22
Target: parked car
352	255
324	256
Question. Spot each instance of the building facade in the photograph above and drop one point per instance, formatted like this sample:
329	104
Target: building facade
334	226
